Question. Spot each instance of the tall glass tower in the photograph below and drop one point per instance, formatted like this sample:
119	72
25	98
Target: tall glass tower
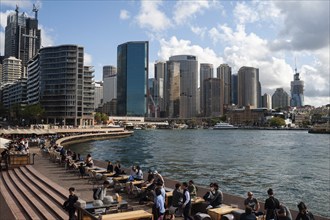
132	78
297	91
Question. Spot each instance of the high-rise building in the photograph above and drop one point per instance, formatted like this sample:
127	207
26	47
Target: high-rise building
65	88
188	84
297	91
22	37
109	83
212	96
280	99
234	89
266	101
224	74
248	87
159	88
15	93
11	69
98	94
172	90
132	78
205	72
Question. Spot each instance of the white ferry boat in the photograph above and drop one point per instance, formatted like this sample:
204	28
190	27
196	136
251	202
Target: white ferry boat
223	125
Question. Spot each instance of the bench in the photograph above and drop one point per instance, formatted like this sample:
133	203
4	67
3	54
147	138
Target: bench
131	215
216	213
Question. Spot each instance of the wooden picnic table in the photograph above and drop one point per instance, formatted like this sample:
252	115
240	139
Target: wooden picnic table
216	213
120	178
131	215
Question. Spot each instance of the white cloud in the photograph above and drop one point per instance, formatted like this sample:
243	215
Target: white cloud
214	34
124	15
184	10
46	36
88	60
245	14
200	31
19	3
305	25
151	17
178	47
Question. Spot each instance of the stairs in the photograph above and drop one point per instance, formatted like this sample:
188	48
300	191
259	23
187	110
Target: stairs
30	195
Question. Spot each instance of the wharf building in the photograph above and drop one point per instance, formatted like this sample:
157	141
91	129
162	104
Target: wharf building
22	37
249	88
132	78
224	74
297	91
188	84
280	99
206	73
158	95
59	81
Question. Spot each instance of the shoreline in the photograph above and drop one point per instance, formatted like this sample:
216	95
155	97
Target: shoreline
228	198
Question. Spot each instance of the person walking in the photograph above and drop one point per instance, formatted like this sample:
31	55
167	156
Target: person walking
186	202
68	205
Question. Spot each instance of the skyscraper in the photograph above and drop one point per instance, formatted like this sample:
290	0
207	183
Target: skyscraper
22	37
297	91
224	74
158	96
234	89
188	84
172	90
280	99
212	96
205	72
109	83
266	101
248	87
98	94
132	78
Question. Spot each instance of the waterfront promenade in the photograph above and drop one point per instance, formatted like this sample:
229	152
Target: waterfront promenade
65	179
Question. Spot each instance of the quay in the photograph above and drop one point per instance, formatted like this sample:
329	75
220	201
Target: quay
26	190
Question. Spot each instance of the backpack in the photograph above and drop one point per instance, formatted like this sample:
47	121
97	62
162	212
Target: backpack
97	193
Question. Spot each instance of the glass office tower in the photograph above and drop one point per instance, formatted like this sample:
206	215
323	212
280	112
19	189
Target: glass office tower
132	78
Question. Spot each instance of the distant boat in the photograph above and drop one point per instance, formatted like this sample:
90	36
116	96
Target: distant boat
223	125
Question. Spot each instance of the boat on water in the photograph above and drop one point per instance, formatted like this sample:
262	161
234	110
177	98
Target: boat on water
223	125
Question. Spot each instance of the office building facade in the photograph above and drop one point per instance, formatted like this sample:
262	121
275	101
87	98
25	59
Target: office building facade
172	90
159	88
224	74
266	101
11	69
15	93
280	99
98	94
212	96
205	73
188	84
248	87
65	90
132	78
109	83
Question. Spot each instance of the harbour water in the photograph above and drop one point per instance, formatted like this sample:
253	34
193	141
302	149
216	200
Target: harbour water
295	164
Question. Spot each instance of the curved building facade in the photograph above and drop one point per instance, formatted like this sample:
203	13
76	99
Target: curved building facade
248	87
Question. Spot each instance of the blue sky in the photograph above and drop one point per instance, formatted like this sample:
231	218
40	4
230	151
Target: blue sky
268	35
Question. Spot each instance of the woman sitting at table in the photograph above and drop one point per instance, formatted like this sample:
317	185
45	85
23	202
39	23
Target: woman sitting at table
139	174
89	160
110	167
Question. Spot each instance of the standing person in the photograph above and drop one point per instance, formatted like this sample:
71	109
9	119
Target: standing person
252	202
271	204
186	202
158	177
192	189
68	205
159	205
304	214
177	199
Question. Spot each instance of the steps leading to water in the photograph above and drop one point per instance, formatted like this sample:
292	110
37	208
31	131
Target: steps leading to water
30	195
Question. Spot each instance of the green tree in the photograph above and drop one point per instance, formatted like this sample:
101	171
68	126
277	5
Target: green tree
34	113
98	117
277	122
104	118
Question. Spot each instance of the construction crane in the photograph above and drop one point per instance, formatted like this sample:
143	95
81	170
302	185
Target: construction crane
35	10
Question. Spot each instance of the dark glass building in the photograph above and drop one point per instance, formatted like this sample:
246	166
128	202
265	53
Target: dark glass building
132	78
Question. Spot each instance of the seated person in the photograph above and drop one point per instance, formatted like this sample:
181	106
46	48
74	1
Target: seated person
110	167
118	170
138	174
253	203
82	170
284	213
214	197
304	214
248	215
89	160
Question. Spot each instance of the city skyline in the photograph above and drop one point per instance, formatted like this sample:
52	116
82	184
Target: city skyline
238	33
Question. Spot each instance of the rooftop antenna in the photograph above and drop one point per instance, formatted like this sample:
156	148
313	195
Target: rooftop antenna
295	65
35	10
